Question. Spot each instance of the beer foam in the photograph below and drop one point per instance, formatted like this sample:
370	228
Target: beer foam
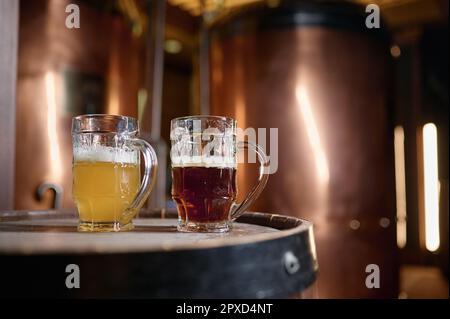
100	153
203	161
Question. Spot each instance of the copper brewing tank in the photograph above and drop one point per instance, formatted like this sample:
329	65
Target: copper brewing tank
65	72
315	72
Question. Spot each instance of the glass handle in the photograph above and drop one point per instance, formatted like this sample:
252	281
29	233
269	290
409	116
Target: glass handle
148	179
238	209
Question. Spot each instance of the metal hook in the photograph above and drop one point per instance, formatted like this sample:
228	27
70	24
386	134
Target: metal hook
57	189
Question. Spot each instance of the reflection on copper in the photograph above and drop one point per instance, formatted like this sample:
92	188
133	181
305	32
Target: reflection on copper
400	185
52	128
312	131
113	87
142	102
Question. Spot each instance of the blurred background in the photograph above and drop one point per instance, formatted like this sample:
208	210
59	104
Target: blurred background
362	113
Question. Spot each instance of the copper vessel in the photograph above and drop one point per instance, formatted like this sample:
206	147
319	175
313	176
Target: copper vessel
315	72
64	72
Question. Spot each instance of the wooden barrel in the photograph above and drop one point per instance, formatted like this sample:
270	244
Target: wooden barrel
264	256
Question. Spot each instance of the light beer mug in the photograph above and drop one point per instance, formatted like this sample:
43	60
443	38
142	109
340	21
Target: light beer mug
107	186
204	168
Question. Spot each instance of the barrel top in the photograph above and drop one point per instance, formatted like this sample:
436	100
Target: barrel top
264	256
55	232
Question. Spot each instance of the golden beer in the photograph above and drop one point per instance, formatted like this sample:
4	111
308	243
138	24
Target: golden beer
103	191
107	187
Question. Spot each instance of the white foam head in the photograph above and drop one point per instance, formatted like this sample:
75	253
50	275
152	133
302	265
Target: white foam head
204	161
101	153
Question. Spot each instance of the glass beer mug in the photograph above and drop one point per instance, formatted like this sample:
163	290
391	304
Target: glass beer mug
204	162
107	186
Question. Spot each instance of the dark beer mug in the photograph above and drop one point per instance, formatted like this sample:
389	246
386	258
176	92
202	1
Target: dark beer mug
204	161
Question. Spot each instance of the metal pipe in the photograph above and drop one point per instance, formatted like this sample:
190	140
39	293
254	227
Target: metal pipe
204	70
9	34
152	114
158	68
204	62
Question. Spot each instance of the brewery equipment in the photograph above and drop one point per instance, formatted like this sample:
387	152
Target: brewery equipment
64	72
314	71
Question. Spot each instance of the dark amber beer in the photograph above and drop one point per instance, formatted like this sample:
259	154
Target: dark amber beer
204	194
204	160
